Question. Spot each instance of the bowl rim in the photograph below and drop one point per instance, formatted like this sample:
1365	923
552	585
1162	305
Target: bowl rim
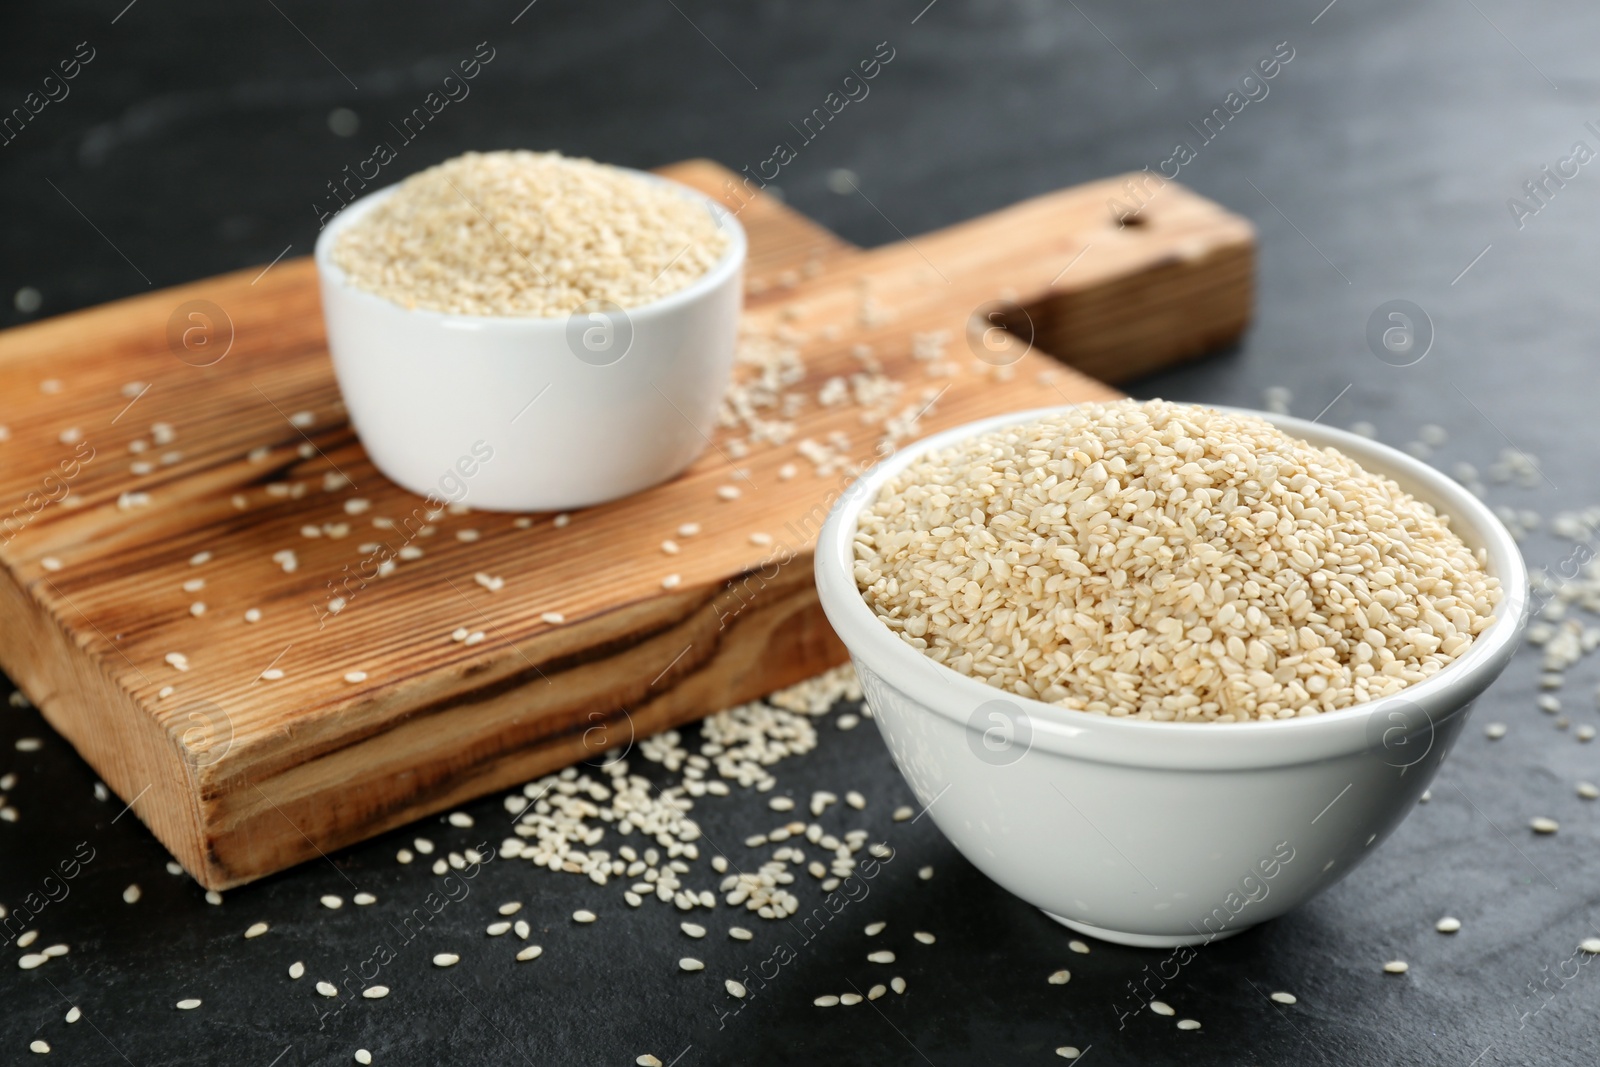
731	263
1199	746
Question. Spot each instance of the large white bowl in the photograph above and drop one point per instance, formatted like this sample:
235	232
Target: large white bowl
1164	834
534	414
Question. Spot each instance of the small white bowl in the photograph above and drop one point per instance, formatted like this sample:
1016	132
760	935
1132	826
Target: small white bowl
534	414
1164	834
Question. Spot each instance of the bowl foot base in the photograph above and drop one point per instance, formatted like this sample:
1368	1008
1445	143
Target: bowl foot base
1117	937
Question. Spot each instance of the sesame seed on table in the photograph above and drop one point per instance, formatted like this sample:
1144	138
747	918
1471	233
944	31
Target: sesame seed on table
1371	176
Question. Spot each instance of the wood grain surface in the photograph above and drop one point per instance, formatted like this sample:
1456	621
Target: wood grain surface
204	419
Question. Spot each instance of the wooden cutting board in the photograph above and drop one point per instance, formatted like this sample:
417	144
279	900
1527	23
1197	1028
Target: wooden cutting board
195	434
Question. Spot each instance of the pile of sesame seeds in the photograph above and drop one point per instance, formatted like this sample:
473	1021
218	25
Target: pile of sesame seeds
1170	562
530	234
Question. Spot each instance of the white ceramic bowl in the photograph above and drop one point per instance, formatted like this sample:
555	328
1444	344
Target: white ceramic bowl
1164	834
534	414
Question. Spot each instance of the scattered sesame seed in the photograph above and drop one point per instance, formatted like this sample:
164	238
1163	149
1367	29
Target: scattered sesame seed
671	581
252	615
902	813
692	929
850	999
40	1047
50	563
363	1056
73	1014
561	520
735	989
1591	945
297	969
1284	998
197	609
728	492
688	529
532	952
32	960
923	936
1447	925
584	915
1543	825
1078	947
446	959
897	984
874	929
375	992
670	547
510	908
1495	731
1161	1007
177	660
826	1001
880	956
255	930
1068	1052
330	900
55	950
554	618
855	800
1589	791
460	819
131	895
925	873
1061	977
1396	967
781	803
272	674
363	899
689	963
739	933
647	1060
189	1004
473	638
423	845
848	721
1188	1024
495	929
327	989
355	677
213	897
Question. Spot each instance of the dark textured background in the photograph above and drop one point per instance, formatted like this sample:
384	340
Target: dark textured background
197	142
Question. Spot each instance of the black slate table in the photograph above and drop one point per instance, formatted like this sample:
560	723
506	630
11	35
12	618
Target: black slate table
1387	161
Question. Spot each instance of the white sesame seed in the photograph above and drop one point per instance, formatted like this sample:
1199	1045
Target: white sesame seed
460	819
647	1060
727	492
1544	825
194	585
1078	947
297	969
902	813
880	956
330	900
188	1004
213	897
781	803
50	563
54	951
40	1047
734	988
1495	731
1060	977
1591	945
327	989
495	929
363	1057
197	609
584	915
1284	998
739	933
364	899
670	547
1396	967
1161	1007
1447	925
925	873
272	674
252	615
73	1014
847	721
131	894
688	529
1589	791
177	660
897	984
850	999
473	638
255	930
446	959
1068	1052
692	929
554	618
375	992
671	581
423	845
689	963
532	952
923	936
826	1001
1188	1024
510	907
877	991
874	929
32	960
